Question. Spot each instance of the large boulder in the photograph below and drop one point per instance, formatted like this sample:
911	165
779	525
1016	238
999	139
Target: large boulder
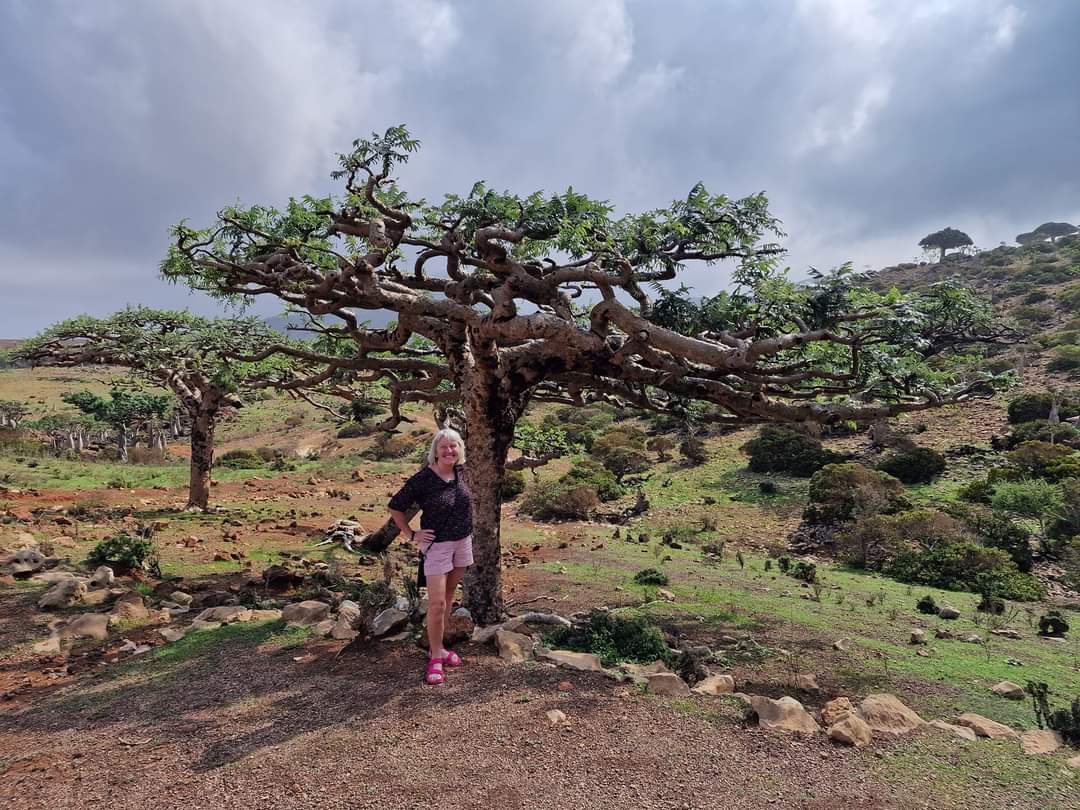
63	594
1040	741
668	684
948	612
86	625
350	612
584	662
785	714
226	614
886	714
984	727
102	577
24	562
852	730
387	621
305	614
514	648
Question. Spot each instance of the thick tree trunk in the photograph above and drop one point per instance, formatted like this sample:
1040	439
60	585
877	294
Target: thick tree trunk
202	459
121	444
490	420
380	539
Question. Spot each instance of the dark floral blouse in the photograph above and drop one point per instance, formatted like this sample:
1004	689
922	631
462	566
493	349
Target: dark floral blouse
446	506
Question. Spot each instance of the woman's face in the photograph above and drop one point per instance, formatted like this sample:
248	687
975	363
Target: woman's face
447	451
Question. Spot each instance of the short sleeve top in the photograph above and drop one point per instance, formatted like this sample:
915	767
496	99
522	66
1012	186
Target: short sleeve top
446	506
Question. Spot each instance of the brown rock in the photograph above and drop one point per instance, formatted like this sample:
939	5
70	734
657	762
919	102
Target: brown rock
1040	741
226	614
555	717
88	625
1009	690
63	594
852	730
960	732
785	714
514	648
1074	762
305	614
585	662
129	607
715	685
806	683
886	714
668	684
984	727
836	710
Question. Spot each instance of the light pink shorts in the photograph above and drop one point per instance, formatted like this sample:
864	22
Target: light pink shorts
442	558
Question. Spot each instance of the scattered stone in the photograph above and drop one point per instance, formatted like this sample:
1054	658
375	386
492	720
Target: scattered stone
836	710
715	685
555	717
50	646
459	613
226	614
323	628
1074	762
199	625
668	684
886	714
265	615
128	607
785	714
212	598
805	682
666	595
63	594
171	634
984	727
24	562
485	635
942	633
584	662
841	645
87	625
1009	690
973	639
343	629
1007	633
1040	741
387	621
918	636
305	614
852	730
103	577
181	598
960	732
52	577
350	611
514	648
457	630
948	612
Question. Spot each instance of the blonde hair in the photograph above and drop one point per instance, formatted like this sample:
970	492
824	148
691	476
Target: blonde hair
446	434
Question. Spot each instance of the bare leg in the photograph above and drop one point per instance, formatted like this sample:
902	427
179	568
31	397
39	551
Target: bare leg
453	579
438	608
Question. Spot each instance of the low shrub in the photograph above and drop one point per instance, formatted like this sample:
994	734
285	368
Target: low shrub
622	452
125	554
389	446
978	491
875	541
1052	623
513	484
651	576
927	606
996	530
966	566
1065	358
1033	313
1036	405
662	446
557	500
693	450
243	458
919	465
844	492
804	571
614	639
353	430
1060	433
361	410
781	449
593	474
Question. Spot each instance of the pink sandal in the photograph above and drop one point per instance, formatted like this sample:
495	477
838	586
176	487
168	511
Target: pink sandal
452	659
435	677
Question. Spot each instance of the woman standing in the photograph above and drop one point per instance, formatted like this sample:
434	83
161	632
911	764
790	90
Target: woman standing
444	537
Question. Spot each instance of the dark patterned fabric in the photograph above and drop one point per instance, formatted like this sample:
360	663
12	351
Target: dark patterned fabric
446	506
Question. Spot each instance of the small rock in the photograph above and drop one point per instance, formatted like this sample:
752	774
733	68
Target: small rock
836	710
265	615
666	595
462	613
514	648
171	634
973	639
103	577
63	594
88	625
129	607
323	628
350	611
305	614
199	625
565	686
584	662
918	636
1009	690
1074	762
181	598
886	714
715	685
387	621
785	714
555	717
1040	741
805	682
948	612
226	614
668	684
841	644
50	646
343	629
942	633
1007	633
984	727
852	730
960	732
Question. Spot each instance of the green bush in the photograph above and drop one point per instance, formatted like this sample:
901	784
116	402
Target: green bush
243	458
1033	406
1036	296
844	492
965	566
389	446
650	576
622	451
361	410
781	449
513	484
995	530
593	474
978	491
1035	499
1033	314
1061	433
919	465
1065	358
557	500
804	571
1038	459
1052	623
875	541
927	606
353	430
124	554
614	639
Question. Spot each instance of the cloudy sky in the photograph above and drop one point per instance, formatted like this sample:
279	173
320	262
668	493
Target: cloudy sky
869	124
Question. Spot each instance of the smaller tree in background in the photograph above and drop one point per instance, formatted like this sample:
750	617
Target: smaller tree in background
124	411
946	239
12	413
1055	230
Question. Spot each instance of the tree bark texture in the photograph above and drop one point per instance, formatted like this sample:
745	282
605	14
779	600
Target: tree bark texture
202	459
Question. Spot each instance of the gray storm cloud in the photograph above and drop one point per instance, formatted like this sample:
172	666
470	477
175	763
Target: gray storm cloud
868	123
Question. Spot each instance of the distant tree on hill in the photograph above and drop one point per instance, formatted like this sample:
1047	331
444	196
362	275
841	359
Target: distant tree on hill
195	358
124	411
1055	230
946	239
12	413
